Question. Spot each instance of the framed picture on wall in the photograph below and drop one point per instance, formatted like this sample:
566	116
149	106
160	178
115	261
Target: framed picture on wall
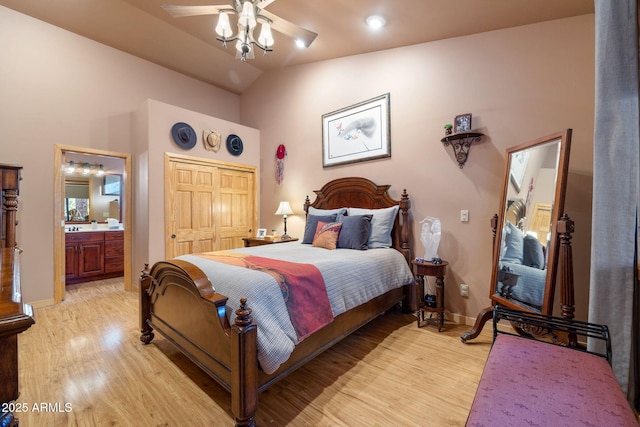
357	133
517	168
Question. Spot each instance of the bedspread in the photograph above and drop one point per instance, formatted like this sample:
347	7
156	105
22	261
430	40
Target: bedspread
302	287
351	277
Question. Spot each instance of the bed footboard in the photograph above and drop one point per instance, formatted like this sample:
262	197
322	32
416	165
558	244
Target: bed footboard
178	301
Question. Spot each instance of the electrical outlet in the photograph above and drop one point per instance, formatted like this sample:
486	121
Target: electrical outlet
464	215
464	290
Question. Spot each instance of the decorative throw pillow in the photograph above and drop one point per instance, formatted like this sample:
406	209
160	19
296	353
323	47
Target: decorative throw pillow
327	235
355	231
312	225
514	244
381	225
532	254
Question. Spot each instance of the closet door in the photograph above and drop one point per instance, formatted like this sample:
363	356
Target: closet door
237	212
189	209
208	205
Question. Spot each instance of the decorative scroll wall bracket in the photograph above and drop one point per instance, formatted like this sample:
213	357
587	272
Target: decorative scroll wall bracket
461	144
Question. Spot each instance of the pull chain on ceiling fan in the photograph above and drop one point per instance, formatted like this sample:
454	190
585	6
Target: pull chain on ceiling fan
248	14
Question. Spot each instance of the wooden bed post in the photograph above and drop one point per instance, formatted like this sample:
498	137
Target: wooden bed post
244	370
146	332
405	204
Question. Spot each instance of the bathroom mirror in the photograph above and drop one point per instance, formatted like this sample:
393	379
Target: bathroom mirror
525	252
92	198
77	200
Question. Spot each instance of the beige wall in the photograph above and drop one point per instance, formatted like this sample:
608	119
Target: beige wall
59	88
519	84
156	119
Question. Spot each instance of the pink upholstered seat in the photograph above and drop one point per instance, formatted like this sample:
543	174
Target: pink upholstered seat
530	383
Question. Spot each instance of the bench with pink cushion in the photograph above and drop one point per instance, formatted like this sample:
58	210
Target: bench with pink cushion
527	382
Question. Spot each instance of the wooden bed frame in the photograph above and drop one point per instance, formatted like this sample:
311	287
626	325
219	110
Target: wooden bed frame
178	301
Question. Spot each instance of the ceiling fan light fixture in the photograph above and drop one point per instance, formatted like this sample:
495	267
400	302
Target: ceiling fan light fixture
266	37
375	22
247	13
223	29
247	17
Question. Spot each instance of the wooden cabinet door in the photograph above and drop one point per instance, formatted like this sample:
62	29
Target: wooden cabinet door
91	258
71	260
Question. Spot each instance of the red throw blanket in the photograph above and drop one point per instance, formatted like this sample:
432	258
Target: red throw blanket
302	286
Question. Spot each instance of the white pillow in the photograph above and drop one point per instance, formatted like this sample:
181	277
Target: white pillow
381	225
323	212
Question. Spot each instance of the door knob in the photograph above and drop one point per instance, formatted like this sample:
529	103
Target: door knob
173	236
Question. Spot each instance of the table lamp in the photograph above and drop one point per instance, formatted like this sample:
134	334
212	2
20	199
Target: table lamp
284	209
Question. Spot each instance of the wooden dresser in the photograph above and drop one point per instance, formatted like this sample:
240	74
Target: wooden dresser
15	316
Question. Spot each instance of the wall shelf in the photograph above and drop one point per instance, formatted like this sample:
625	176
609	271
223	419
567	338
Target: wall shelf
461	144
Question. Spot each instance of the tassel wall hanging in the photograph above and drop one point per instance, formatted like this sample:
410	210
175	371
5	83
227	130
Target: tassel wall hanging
281	152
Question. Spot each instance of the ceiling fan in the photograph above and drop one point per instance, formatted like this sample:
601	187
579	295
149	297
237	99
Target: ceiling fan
249	13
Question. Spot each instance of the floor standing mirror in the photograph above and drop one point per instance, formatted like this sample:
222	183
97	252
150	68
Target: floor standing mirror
525	247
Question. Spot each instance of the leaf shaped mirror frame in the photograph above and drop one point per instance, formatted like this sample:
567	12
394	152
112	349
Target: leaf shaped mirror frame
525	247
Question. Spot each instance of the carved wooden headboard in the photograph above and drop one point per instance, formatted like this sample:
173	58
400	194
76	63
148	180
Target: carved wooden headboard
355	192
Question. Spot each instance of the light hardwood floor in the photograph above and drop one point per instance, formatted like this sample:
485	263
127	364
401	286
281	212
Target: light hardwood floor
86	354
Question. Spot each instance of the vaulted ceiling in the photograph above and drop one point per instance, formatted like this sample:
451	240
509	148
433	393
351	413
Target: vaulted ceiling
188	45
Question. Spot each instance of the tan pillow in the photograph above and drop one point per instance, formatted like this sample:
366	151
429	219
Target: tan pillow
327	235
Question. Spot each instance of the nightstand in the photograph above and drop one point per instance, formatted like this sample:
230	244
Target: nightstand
259	241
426	268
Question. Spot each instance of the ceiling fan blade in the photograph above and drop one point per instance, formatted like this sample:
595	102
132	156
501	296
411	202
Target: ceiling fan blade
264	3
179	11
287	28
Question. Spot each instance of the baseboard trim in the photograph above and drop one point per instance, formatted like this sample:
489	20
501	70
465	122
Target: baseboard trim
460	319
43	303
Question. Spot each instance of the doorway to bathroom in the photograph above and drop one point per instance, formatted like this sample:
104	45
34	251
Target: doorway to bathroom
92	199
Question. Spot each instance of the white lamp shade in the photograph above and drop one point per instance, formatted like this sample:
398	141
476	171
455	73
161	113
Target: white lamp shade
284	209
265	38
223	29
247	17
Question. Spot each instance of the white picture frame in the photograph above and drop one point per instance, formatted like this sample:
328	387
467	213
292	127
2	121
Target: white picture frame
357	133
262	233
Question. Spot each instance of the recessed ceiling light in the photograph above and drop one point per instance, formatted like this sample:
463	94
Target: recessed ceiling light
375	22
300	43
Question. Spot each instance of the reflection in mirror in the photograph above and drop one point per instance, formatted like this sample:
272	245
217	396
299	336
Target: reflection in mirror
85	200
523	274
77	202
93	187
525	253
